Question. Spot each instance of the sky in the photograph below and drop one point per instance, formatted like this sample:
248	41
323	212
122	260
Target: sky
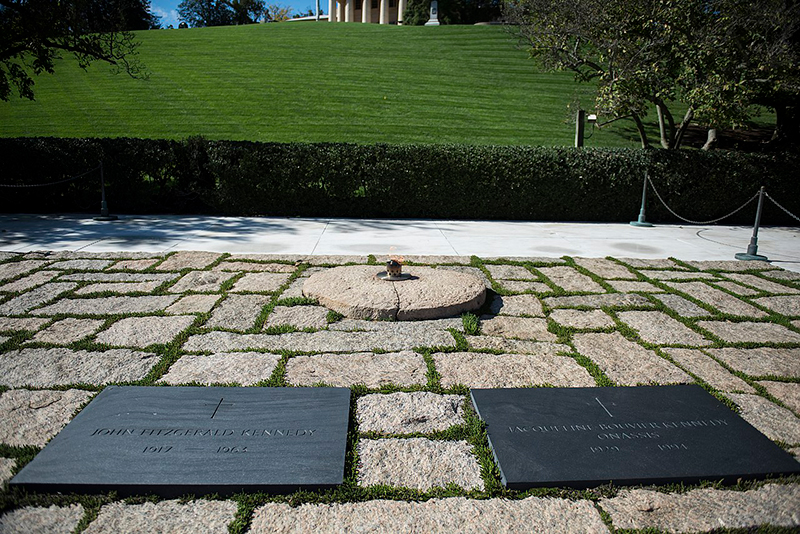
168	9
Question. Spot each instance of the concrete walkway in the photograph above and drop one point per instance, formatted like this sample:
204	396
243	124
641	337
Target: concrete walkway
277	235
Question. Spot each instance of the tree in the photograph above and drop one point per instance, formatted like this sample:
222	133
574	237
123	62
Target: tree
34	32
247	11
417	12
201	13
277	13
714	56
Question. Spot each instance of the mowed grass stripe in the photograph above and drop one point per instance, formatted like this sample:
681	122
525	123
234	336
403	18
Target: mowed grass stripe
315	83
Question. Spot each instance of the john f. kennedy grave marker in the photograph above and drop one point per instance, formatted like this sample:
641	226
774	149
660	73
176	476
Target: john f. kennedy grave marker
585	437
172	441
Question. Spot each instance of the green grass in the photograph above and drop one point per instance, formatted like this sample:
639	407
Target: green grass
361	83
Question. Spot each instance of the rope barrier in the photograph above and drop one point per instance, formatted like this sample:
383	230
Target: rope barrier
700	222
51	183
781	207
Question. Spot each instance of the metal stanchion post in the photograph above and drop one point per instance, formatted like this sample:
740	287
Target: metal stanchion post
641	222
104	216
752	248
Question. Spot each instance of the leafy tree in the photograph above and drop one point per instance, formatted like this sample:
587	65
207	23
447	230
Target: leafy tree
277	13
717	57
247	11
33	33
418	12
201	13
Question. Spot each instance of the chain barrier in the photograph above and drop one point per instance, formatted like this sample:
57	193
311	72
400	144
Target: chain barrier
51	183
781	207
700	222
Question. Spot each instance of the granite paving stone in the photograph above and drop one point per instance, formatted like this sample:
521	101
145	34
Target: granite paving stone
35	297
33	417
404	368
260	282
709	370
510	272
115	287
775	422
760	361
417	463
701	510
174	517
406	413
571	280
295	289
760	283
660	263
32	280
455	514
83	254
587	319
531	259
521	286
3	339
516	327
786	392
480	370
739	289
732	265
661	329
783	275
201	282
719	299
7	255
107	305
517	305
630	286
120	277
144	331
14	269
254	267
678	275
796	324
322	341
429	259
40	520
516	345
193	304
786	305
22	323
245	368
68	331
133	265
238	312
61	366
598	301
298	316
6	468
628	363
750	332
81	265
399	327
188	260
605	268
681	306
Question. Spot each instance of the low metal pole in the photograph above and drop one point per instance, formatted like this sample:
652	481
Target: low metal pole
104	216
641	222
579	123
752	249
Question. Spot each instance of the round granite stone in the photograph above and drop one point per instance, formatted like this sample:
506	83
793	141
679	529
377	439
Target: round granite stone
355	291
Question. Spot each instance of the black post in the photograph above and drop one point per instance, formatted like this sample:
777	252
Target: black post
104	216
752	248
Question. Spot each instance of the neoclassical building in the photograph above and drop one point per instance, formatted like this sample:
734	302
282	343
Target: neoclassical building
380	11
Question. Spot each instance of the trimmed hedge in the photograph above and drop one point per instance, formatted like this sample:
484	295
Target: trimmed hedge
399	181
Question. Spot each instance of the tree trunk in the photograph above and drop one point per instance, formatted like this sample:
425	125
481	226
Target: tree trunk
687	119
787	125
642	133
711	142
665	120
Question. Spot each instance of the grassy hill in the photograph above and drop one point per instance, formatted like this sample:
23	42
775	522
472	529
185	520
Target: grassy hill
360	83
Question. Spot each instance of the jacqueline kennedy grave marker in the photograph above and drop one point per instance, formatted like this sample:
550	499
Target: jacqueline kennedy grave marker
585	437
172	441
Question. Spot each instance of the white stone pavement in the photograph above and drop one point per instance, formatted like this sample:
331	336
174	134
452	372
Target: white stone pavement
322	236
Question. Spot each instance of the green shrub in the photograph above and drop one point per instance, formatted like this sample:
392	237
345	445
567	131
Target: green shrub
413	181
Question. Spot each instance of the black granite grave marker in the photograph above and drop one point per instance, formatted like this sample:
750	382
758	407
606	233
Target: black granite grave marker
171	441
585	437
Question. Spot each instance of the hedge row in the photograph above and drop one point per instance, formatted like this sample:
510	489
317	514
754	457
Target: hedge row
401	181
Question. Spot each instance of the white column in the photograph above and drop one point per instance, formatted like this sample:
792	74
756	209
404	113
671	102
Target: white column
339	11
366	11
349	10
384	10
401	7
331	10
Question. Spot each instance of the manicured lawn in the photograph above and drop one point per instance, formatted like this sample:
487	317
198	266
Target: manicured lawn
315	82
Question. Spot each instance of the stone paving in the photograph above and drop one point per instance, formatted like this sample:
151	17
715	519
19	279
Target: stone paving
72	323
